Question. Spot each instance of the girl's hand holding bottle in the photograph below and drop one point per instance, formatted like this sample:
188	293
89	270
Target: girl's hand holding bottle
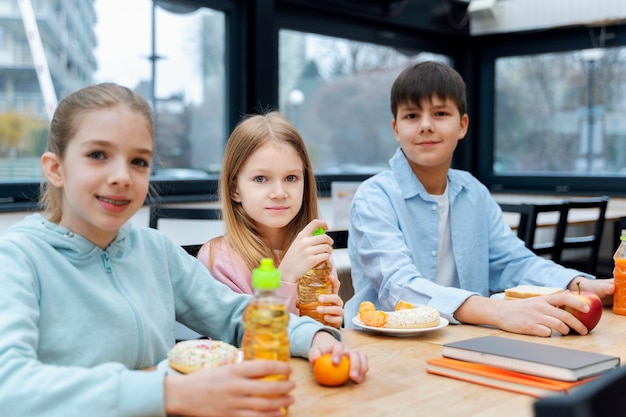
333	313
316	248
305	252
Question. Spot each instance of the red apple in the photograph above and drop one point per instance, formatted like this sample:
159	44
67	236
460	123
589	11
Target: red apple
591	318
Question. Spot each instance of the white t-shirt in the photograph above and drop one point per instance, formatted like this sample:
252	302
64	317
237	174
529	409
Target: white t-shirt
446	268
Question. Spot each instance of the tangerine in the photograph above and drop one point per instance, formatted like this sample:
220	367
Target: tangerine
403	305
327	373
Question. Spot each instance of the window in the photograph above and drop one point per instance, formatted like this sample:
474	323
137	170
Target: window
336	92
561	114
111	40
550	111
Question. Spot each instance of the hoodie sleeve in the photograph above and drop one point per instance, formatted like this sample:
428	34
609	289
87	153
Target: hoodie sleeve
212	308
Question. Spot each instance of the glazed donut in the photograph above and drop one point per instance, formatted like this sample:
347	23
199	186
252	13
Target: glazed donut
412	318
192	355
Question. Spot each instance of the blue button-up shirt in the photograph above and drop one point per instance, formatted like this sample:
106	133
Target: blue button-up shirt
394	238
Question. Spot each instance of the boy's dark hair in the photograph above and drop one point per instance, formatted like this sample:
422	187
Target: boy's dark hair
424	80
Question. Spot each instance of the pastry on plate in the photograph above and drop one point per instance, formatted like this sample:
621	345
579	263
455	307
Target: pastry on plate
192	355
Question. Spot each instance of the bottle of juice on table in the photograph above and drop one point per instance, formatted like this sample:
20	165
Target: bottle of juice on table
314	283
619	275
265	319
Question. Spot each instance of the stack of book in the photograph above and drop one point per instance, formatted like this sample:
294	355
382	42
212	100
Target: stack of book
528	368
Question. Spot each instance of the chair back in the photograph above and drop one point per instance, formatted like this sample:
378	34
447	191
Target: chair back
340	238
529	222
342	263
554	247
588	238
525	211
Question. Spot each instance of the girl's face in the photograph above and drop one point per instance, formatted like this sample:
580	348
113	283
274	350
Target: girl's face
270	188
105	172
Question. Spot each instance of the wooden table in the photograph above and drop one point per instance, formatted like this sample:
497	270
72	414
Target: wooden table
398	385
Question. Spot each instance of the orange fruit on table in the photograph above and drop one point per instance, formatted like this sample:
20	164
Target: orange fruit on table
327	373
402	305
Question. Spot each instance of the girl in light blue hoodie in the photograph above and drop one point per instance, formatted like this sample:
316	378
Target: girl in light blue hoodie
87	300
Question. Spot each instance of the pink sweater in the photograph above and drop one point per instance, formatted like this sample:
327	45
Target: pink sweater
229	269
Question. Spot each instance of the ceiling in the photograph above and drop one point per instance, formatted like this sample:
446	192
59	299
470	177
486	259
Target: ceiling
451	17
442	16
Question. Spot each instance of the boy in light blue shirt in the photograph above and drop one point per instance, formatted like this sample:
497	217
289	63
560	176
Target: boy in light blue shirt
431	235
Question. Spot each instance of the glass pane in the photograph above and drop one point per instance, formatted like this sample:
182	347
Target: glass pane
336	92
111	40
561	114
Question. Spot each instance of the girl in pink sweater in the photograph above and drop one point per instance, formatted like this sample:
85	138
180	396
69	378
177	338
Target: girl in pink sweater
269	205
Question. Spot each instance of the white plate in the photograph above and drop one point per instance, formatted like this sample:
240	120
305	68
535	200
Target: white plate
443	322
497	296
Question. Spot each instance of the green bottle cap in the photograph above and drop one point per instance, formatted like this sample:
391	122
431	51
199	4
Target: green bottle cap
266	276
319	231
623	235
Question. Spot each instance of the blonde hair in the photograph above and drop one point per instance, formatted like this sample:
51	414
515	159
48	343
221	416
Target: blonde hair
67	119
250	134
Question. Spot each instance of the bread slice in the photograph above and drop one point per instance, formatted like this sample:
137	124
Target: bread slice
526	291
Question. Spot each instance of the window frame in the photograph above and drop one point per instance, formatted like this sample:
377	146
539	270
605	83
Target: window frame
251	61
19	195
491	47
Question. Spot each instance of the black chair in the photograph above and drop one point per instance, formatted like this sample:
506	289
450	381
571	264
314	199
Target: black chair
589	241
527	227
340	237
342	263
160	212
599	398
525	211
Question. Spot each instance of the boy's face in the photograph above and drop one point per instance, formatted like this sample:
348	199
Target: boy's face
428	134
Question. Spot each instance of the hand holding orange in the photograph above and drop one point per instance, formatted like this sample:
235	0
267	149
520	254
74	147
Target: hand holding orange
327	373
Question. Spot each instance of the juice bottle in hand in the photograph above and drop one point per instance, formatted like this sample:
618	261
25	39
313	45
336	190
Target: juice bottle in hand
265	320
313	284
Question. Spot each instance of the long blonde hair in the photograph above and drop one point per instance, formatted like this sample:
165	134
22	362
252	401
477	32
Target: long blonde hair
250	134
65	123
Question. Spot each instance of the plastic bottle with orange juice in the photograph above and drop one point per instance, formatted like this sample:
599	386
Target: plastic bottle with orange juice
619	275
265	319
313	284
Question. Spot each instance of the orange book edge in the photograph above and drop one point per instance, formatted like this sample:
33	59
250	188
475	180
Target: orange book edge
494	377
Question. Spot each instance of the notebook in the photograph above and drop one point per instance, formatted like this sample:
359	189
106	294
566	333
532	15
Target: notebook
531	358
492	376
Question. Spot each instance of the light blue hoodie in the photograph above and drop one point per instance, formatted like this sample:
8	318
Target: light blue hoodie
77	322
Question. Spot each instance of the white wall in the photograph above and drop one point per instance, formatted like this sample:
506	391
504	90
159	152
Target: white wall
525	15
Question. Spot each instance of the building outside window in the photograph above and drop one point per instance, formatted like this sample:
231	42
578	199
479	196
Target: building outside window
87	42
